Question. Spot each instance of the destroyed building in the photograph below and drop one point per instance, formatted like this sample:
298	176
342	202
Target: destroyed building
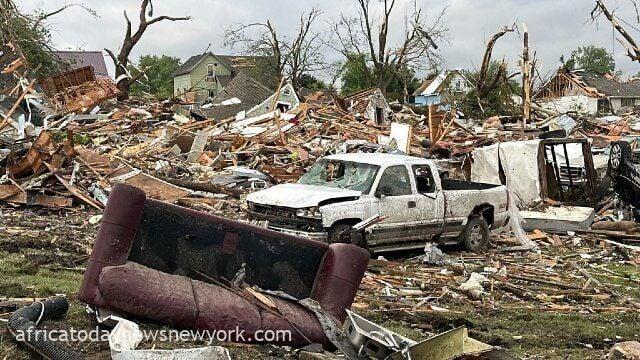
203	76
171	215
369	104
589	93
241	94
441	88
80	59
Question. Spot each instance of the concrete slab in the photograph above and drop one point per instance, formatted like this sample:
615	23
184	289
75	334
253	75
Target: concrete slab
559	218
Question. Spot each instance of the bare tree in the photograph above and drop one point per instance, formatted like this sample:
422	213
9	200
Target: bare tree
267	44
287	58
369	34
305	54
633	51
123	78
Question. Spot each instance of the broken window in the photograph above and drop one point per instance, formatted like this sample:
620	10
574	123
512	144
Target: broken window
604	106
395	182
424	179
211	70
283	107
341	174
628	102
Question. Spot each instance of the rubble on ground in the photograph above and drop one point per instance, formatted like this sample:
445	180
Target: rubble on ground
64	148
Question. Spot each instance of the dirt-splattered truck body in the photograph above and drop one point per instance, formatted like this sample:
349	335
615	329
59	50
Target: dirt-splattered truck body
340	191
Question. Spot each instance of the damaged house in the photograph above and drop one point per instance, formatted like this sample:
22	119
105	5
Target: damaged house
204	76
241	94
369	104
287	100
441	88
588	92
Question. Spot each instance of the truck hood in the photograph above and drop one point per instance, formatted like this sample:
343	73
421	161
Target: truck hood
299	196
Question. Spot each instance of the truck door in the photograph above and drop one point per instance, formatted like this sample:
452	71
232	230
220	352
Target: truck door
397	202
430	202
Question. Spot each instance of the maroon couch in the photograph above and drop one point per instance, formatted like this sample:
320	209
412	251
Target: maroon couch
173	265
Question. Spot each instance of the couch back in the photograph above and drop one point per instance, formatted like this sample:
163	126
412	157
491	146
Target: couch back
205	247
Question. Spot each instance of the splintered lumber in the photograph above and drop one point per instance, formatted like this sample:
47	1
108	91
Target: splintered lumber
30	198
74	190
545	282
39	152
204	186
7	191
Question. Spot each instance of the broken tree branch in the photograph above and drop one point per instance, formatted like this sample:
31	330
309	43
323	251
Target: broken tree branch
633	51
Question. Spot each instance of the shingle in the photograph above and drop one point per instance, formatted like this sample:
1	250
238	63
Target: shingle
611	87
248	90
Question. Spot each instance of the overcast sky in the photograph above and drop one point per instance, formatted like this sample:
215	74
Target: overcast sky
555	26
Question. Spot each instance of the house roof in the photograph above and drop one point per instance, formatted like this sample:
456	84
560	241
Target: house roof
358	102
610	86
243	88
596	85
79	59
233	62
433	83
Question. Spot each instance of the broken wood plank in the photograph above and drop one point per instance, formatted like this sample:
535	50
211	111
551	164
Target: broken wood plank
34	199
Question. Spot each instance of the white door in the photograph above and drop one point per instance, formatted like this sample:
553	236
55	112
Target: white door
430	202
397	202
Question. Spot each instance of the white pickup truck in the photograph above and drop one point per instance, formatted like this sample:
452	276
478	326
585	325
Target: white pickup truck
417	206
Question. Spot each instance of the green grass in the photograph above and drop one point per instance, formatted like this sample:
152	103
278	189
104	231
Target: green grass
527	333
22	278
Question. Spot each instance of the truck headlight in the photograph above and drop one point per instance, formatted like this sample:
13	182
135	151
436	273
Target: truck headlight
311	213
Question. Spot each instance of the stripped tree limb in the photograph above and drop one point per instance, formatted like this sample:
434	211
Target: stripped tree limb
121	61
288	58
484	85
633	51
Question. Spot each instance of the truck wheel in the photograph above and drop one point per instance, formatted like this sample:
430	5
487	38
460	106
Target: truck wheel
620	151
340	233
475	236
343	233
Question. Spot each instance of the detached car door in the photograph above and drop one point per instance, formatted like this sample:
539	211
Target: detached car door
396	201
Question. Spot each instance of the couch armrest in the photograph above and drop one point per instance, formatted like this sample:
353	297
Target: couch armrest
120	222
339	277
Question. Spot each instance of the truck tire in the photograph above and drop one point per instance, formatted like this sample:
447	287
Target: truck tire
475	236
340	233
343	233
620	152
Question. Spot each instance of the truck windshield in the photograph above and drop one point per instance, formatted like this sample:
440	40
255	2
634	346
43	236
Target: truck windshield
341	174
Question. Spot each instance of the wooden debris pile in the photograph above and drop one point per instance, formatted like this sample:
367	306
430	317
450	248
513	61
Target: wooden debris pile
569	275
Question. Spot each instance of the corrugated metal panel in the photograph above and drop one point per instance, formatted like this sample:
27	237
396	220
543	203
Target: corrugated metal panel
80	59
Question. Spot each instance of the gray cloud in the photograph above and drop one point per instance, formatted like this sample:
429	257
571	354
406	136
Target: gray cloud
555	26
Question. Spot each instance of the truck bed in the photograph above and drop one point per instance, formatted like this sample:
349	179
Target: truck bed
448	184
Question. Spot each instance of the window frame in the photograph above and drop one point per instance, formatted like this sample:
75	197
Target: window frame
415	177
632	100
384	171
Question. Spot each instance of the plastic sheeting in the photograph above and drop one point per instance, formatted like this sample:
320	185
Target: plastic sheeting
519	161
